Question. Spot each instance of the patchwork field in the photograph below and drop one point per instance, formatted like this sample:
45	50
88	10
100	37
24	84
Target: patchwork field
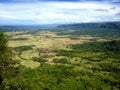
26	45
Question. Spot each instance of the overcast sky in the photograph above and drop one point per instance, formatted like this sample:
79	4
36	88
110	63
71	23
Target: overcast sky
58	11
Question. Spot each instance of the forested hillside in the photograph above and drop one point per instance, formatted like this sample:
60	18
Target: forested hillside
95	29
92	26
8	68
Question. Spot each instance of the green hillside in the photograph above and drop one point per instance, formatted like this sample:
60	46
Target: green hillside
95	29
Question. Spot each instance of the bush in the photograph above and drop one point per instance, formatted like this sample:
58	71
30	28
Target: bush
60	60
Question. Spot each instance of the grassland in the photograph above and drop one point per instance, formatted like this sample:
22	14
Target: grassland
26	45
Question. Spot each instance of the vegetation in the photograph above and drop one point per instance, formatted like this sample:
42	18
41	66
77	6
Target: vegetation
105	30
68	61
7	65
103	58
60	60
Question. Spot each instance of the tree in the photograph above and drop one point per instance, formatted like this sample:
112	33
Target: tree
113	46
6	62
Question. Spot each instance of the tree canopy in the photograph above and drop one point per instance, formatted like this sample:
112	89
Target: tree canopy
6	62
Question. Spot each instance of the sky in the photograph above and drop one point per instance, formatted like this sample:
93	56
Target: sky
30	12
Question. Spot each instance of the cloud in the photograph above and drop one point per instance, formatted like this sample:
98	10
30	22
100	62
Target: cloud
102	10
57	12
24	0
113	8
117	14
115	0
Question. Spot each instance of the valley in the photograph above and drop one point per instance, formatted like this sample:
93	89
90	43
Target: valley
26	46
64	59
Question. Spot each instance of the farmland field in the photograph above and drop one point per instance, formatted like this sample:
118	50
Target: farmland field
26	45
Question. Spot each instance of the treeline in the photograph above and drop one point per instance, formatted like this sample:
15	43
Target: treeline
105	47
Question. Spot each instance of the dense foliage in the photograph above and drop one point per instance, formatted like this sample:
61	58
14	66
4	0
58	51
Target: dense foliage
7	65
102	56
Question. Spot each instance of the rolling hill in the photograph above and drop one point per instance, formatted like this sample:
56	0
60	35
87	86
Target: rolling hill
108	29
91	26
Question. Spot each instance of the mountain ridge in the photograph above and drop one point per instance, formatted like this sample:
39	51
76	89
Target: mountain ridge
101	25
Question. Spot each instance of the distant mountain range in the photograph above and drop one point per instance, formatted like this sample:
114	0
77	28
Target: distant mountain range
91	26
109	29
44	26
78	26
4	28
